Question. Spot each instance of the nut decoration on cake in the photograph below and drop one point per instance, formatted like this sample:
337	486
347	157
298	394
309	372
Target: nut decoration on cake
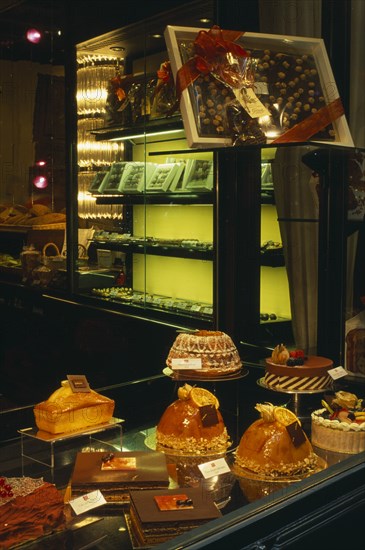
340	425
69	411
192	424
275	446
294	371
215	349
29	508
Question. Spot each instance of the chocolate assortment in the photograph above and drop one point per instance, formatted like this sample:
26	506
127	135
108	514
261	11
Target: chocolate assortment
286	84
289	86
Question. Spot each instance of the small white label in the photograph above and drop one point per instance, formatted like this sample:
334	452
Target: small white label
87	502
186	363
337	372
251	103
214	468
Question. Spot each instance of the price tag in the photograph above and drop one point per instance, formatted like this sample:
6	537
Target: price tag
251	103
214	468
87	502
337	372
181	363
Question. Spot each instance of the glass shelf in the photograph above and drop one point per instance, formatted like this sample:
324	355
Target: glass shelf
51	439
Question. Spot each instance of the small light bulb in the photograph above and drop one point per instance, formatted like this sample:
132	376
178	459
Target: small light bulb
33	36
40	182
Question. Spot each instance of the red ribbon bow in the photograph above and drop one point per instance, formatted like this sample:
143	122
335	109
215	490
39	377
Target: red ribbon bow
209	47
116	83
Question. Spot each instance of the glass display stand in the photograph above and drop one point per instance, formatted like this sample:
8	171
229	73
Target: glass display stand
296	395
51	439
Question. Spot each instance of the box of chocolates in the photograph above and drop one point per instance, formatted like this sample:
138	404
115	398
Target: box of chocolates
239	88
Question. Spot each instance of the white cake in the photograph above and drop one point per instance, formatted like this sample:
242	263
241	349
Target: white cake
341	430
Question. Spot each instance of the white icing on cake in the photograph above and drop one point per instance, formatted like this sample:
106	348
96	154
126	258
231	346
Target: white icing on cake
337	436
216	350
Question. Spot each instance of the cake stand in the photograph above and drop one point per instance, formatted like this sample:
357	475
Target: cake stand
295	393
51	439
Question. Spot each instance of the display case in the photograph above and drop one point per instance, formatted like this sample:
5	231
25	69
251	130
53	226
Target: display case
196	237
146	204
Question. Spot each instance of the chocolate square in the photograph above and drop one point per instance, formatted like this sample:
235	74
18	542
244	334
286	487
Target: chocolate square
208	415
296	433
78	383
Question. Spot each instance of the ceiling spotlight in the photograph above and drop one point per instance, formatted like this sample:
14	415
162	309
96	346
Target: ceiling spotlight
33	36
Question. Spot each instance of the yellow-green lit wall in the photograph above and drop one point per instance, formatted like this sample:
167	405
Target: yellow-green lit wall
176	277
274	290
174	222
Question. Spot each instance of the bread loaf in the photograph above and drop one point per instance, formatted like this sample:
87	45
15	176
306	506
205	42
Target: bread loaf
67	411
45	219
40	210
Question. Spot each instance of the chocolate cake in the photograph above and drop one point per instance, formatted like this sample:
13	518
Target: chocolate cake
29	509
293	371
157	516
115	474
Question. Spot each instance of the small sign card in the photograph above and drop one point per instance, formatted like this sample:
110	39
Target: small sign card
337	372
181	363
87	502
173	502
78	383
214	468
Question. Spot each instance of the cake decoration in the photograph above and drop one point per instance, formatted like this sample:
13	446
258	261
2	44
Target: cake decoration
340	425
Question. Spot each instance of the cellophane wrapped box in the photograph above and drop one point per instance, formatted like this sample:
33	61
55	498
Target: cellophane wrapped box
240	88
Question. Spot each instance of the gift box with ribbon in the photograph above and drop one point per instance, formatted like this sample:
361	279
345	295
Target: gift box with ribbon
238	88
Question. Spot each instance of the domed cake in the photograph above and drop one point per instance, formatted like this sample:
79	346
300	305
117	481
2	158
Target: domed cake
293	371
192	424
214	351
275	446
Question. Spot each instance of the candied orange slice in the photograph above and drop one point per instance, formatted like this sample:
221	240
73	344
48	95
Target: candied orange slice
201	397
285	416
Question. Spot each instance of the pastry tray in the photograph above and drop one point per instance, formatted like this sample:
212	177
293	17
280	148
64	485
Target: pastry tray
248	474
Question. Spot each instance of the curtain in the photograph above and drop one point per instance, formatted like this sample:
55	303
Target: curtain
294	187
